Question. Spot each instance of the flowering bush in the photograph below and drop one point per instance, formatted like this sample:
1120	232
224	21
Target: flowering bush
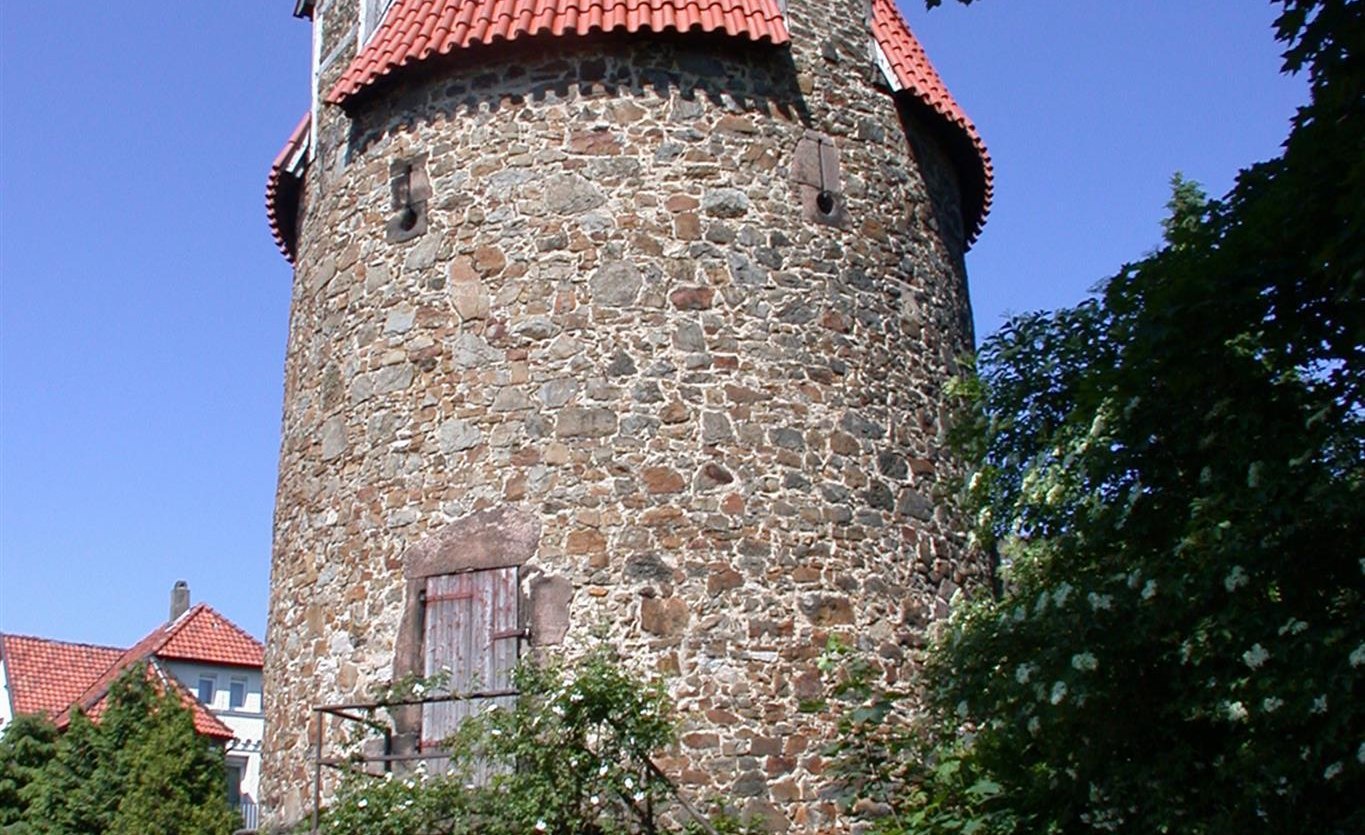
572	756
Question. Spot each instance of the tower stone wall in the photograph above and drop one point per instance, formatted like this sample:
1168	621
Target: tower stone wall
622	348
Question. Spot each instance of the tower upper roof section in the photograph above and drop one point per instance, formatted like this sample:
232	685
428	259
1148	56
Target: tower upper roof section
415	30
910	66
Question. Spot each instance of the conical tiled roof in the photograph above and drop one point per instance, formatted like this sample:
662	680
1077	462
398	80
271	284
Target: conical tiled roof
917	77
415	30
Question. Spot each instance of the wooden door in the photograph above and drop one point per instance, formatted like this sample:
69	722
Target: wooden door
471	630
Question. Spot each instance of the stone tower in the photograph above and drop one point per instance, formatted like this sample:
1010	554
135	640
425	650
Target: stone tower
636	316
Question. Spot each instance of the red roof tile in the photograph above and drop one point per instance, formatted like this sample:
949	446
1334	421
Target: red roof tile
201	634
281	190
46	676
916	75
414	30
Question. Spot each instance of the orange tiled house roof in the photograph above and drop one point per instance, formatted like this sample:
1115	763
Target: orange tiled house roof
46	676
53	677
205	723
201	634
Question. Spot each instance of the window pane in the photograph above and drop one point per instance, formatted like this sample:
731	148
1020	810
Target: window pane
236	693
234	784
207	686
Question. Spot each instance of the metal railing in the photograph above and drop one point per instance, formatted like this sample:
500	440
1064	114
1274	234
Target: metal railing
250	814
364	713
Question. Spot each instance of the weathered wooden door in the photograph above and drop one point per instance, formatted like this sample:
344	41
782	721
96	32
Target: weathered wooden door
472	632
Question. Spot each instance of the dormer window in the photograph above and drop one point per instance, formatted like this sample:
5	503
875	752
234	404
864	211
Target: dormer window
371	15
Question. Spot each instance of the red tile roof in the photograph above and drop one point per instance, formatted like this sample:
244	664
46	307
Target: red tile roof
414	30
46	676
52	678
281	191
917	76
203	635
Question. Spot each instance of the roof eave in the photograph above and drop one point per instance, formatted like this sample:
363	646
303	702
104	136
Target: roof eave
283	186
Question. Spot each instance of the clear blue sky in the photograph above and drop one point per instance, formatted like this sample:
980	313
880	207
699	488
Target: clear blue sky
143	306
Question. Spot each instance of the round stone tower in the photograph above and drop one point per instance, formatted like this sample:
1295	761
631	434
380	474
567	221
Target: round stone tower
626	323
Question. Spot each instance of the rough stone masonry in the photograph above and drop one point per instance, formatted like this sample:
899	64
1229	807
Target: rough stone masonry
580	306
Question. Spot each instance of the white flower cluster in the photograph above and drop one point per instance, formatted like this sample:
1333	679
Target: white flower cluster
1236	579
1085	662
1293	626
1255	657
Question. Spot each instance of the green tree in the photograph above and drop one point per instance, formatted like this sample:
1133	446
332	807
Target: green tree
1172	476
26	746
171	779
66	797
142	768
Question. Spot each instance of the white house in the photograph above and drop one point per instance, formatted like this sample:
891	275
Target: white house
211	662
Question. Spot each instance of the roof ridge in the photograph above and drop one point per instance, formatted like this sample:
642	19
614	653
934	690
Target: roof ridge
189	612
87	645
141	650
96	691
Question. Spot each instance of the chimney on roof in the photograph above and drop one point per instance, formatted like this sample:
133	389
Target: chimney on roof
180	599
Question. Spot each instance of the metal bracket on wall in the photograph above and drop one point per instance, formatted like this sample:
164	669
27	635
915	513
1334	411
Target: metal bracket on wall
815	168
411	189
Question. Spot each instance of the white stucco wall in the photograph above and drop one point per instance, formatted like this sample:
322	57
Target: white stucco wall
6	711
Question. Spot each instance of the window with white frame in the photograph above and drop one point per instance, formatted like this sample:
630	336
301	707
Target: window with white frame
208	688
236	692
